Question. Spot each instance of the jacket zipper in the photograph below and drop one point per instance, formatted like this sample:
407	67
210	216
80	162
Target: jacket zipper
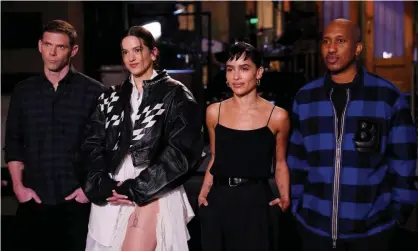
337	166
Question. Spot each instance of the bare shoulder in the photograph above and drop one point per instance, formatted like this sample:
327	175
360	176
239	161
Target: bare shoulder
212	112
213	109
280	119
280	114
277	114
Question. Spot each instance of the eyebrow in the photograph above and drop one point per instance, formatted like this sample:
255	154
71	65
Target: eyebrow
242	65
339	35
48	42
136	47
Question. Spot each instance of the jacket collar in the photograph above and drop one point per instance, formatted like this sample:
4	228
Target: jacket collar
358	81
162	75
131	77
127	85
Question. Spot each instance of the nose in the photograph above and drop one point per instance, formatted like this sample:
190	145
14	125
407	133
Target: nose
332	47
53	51
236	75
131	57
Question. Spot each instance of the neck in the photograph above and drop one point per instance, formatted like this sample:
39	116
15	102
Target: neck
345	76
139	79
246	101
55	76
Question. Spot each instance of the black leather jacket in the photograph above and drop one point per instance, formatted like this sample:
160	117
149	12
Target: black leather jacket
167	137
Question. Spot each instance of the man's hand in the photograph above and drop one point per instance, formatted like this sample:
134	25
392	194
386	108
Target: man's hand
119	199
78	195
282	203
24	194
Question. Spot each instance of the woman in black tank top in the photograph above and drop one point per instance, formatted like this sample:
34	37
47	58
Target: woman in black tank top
246	134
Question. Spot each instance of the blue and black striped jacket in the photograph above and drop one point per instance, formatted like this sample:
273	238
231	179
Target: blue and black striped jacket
367	184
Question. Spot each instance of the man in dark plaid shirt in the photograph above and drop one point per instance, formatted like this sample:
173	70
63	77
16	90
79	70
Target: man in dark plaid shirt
352	153
44	130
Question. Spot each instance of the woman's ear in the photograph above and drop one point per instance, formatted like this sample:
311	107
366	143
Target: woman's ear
154	53
260	72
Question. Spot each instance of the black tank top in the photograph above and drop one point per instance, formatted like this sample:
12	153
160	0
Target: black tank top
243	153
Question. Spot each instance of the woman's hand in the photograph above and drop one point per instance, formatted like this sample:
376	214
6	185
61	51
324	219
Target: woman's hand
119	199
282	203
202	199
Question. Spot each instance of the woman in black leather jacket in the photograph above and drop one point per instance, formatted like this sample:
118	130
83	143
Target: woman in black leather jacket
144	138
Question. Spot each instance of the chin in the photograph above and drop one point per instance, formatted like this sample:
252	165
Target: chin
341	67
241	93
334	68
54	68
137	72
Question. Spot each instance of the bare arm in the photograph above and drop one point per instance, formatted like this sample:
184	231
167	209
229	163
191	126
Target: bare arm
211	120
282	125
15	170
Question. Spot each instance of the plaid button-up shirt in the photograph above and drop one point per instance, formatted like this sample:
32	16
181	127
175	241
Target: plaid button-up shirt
44	130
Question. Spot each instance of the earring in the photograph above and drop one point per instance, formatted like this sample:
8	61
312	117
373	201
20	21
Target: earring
258	82
227	84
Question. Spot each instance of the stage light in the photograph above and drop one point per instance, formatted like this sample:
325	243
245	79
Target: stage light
180	8
387	54
154	28
253	20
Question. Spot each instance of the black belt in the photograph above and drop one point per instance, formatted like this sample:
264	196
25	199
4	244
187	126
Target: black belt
234	181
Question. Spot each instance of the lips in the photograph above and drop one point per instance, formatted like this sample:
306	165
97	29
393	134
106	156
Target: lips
133	65
331	59
237	85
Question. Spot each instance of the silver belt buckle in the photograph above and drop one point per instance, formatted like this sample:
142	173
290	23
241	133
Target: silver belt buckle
229	183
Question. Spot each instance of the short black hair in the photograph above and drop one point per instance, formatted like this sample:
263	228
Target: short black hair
241	48
61	26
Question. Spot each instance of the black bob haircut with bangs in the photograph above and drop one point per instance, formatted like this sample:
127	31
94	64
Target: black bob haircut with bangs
241	48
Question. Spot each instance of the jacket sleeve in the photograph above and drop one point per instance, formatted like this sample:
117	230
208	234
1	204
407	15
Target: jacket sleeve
98	186
14	145
296	159
181	155
402	156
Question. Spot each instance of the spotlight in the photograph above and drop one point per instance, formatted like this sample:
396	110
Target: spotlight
154	28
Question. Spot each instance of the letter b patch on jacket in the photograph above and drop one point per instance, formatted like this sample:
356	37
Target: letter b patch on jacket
367	137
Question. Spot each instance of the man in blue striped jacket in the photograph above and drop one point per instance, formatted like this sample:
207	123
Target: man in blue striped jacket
352	153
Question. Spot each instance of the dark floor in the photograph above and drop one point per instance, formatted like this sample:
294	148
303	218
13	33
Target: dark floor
285	233
287	238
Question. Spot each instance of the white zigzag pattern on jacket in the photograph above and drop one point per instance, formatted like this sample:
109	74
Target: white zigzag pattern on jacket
148	121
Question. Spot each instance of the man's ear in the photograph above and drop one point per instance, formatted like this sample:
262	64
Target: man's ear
74	50
40	45
359	48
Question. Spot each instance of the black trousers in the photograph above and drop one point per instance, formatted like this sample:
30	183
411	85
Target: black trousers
51	227
378	242
237	219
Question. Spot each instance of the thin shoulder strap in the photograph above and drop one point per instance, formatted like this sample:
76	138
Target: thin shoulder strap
270	115
219	112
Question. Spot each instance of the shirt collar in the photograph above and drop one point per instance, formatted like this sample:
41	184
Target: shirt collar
154	74
356	83
66	79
